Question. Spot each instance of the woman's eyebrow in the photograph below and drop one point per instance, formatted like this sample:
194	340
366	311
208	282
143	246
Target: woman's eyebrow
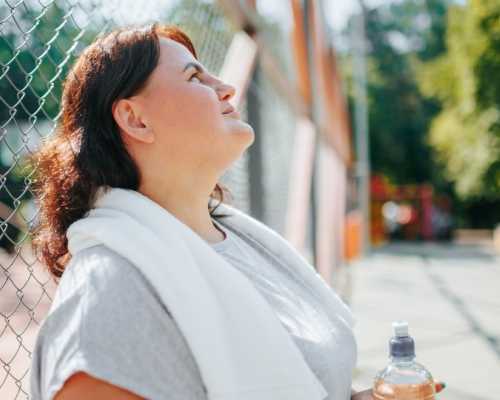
196	65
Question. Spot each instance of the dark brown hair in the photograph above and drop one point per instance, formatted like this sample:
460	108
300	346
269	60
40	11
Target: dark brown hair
87	150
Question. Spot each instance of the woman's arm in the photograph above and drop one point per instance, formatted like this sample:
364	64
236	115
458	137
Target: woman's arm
82	386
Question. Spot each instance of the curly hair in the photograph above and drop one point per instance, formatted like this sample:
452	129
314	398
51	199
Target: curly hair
87	150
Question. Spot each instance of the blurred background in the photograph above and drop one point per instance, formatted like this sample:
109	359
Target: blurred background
377	155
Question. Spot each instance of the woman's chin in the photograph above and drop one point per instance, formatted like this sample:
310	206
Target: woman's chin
239	127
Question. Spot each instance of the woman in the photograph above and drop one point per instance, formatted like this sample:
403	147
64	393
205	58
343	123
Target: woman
140	113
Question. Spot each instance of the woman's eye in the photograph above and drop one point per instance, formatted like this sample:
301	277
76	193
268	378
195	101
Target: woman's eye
194	76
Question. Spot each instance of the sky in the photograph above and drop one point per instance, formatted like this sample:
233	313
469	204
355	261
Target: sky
337	12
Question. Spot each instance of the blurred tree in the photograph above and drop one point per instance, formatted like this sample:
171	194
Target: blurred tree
466	82
434	100
36	50
399	115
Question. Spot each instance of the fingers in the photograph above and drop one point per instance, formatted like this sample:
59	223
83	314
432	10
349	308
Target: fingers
439	386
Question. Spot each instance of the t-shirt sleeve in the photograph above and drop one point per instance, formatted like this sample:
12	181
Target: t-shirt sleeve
115	328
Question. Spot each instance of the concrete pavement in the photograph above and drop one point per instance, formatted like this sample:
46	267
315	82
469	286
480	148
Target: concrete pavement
450	296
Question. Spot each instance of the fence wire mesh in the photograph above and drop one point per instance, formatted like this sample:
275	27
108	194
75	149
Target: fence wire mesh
38	43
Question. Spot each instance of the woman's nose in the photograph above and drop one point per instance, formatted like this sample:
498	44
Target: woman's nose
225	91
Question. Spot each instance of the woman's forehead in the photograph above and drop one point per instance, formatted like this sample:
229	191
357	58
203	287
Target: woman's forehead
174	55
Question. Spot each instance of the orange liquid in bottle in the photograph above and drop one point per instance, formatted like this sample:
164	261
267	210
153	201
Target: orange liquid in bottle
387	391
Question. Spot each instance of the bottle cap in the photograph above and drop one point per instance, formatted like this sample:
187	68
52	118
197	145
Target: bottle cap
400	328
401	344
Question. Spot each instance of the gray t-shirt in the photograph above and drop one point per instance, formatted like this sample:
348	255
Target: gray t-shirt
107	320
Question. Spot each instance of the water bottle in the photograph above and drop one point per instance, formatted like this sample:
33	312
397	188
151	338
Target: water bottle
403	378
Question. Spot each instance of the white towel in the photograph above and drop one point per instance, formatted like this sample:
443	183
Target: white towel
242	350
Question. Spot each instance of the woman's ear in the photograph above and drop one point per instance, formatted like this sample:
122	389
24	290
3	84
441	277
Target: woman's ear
129	118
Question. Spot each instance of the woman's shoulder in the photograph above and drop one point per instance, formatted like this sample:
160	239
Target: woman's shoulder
96	262
100	285
99	273
106	320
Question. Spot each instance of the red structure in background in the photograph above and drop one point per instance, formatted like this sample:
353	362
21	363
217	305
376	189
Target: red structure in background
414	211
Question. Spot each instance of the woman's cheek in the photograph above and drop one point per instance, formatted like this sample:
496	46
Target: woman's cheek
206	99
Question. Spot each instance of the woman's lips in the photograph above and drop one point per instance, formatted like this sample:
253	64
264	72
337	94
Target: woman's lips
233	114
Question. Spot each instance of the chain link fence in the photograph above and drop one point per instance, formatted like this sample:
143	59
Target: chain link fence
39	40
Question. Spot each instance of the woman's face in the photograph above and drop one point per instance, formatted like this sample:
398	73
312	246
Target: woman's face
184	110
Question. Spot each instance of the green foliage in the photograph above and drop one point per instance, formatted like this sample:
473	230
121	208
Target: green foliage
434	100
466	81
34	64
399	115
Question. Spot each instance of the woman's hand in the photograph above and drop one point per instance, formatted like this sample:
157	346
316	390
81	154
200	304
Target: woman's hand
364	395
